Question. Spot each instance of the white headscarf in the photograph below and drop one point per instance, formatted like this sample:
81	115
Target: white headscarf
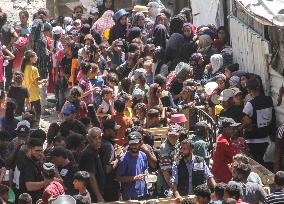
216	61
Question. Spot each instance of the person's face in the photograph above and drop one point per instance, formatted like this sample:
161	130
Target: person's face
185	150
161	20
103	49
238	99
108	96
57	160
60	144
130	62
140	21
187	32
89	42
201	60
108	4
221	35
201	200
134	148
77	184
111	133
97	56
148	65
173	138
23	19
128	103
123	20
95	140
184	94
78	13
34	58
228	73
36	153
159	93
231	132
221	84
243	81
140	114
94	17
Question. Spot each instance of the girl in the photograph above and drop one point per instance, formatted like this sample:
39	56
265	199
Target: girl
196	61
154	96
222	39
140	111
107	5
128	105
5	54
106	107
32	81
120	29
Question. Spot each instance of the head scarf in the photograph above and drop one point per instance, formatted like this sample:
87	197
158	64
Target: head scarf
176	41
135	19
204	41
189	25
216	61
104	22
176	24
197	68
160	36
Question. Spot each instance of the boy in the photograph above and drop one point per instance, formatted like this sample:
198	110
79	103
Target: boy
25	198
81	179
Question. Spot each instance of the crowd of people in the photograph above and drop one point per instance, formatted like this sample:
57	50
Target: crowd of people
115	75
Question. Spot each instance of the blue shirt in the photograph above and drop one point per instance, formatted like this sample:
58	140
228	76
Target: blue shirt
190	166
131	166
98	82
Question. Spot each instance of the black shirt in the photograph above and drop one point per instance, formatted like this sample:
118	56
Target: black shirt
19	94
26	170
67	174
235	112
90	161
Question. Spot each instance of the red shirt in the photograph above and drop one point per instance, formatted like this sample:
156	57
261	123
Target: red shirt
222	156
125	122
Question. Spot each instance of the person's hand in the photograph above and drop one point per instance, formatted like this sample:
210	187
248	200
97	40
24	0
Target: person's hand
40	201
144	148
139	177
18	143
191	104
178	199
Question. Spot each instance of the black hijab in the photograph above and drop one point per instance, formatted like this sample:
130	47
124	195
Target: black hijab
160	36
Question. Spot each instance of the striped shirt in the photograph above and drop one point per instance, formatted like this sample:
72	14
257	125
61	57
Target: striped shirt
277	197
280	131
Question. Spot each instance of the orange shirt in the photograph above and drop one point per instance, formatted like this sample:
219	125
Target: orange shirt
125	122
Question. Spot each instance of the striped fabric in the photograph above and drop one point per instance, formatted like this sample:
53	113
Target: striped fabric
275	198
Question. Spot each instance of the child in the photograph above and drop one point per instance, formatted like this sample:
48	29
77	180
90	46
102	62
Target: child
97	82
128	105
106	107
219	192
81	179
32	81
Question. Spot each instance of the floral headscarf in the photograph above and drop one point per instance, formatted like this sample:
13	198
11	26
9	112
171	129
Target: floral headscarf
104	22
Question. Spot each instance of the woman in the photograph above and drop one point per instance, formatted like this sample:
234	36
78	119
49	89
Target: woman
32	81
196	61
154	96
160	36
104	22
9	122
139	21
120	29
205	47
135	32
222	38
107	5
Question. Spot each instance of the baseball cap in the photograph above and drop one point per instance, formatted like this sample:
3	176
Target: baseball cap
228	122
69	109
111	124
226	94
23	127
119	14
48	166
236	91
134	137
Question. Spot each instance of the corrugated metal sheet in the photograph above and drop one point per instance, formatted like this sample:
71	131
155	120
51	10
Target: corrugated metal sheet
271	11
250	50
276	81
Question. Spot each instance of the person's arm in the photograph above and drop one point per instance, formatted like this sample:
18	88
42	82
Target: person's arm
34	186
211	183
130	179
8	52
151	157
95	188
167	177
88	92
175	192
278	152
280	95
2	173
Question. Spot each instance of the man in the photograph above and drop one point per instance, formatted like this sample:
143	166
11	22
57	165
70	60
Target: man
132	169
122	120
189	172
109	160
233	190
278	195
259	121
224	152
200	139
90	161
203	194
27	176
251	192
168	152
229	108
66	168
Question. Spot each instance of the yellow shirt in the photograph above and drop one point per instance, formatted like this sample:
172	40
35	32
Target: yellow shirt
31	76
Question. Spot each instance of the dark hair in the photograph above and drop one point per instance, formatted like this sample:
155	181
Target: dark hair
74	140
112	77
85	120
85	67
80	199
243	170
227	36
82	176
34	142
119	106
106	90
27	59
167	13
2	94
279	178
241	158
78	7
220	189
233	190
52	132
153	113
203	191
10	109
25	13
125	85
188	142
140	107
3	19
5	136
229	201
3	189
25	198
49	174
160	79
59	152
58	139
39	134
